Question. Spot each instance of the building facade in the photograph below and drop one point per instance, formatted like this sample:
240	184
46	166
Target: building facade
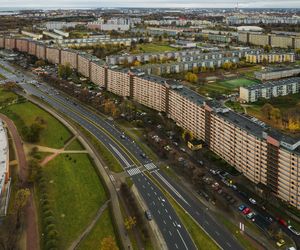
270	89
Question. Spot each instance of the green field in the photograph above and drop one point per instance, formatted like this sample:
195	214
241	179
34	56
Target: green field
75	145
103	228
236	83
152	47
224	87
76	194
7	96
54	133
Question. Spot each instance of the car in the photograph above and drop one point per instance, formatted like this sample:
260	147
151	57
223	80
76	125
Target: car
280	243
251	215
241	207
213	171
282	222
293	230
182	149
246	211
143	155
252	201
148	215
122	136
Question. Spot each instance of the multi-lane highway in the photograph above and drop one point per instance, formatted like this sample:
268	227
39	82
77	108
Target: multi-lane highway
135	164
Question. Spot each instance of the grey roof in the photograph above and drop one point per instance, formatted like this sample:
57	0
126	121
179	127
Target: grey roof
270	84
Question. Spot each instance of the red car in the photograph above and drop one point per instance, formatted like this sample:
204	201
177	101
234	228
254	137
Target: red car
246	211
282	222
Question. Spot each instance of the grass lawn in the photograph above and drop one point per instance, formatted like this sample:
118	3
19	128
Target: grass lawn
200	238
7	96
2	77
75	145
236	232
224	87
76	192
103	228
112	163
152	47
236	83
53	135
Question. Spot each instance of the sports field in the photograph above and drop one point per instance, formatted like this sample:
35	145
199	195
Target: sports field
152	48
236	83
224	87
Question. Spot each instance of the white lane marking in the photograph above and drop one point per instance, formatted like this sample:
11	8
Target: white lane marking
182	240
158	211
112	178
170	217
133	171
150	166
155	193
171	187
228	244
121	156
166	210
176	246
170	233
164	222
217	233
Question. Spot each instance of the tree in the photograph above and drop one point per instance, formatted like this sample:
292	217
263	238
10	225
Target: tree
108	243
203	69
130	222
64	71
227	65
191	77
40	63
187	136
267	48
275	114
266	110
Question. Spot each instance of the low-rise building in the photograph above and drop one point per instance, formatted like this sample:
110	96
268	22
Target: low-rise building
270	89
276	73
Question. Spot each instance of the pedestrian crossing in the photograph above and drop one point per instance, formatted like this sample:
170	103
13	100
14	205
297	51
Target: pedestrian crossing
150	166
133	171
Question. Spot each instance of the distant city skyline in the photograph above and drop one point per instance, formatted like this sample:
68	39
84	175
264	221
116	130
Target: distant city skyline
152	3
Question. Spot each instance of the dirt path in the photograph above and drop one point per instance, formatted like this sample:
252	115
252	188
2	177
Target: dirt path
76	242
32	238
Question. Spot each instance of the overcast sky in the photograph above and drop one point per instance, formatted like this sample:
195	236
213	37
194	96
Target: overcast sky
153	3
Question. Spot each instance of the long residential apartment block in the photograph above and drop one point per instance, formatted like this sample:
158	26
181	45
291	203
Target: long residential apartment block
196	54
270	58
270	89
274	40
263	155
276	73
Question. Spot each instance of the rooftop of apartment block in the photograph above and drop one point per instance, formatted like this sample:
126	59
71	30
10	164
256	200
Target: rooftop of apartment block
270	84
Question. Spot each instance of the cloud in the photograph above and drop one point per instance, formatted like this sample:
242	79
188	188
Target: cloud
153	3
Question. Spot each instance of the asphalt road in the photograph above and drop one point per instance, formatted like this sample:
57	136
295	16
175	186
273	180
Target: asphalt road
169	224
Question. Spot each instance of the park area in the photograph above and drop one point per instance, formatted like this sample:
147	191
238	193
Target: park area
68	191
224	87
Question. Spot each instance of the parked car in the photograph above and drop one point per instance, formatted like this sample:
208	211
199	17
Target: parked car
241	207
282	222
148	215
293	230
246	211
251	215
252	201
280	243
122	136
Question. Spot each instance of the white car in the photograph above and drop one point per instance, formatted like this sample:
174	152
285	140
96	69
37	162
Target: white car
252	201
293	230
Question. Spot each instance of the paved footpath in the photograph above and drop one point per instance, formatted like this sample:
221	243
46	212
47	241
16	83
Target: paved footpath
81	237
32	238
